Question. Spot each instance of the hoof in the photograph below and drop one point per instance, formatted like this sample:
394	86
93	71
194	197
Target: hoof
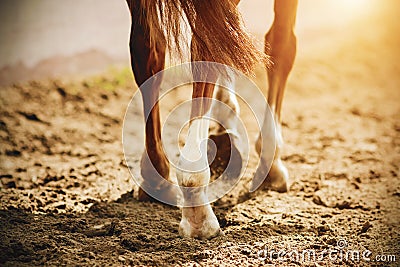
144	197
277	179
186	231
156	186
166	194
228	159
199	223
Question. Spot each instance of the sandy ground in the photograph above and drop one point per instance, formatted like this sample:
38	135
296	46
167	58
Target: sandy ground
66	193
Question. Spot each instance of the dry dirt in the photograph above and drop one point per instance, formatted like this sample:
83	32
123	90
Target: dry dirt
67	196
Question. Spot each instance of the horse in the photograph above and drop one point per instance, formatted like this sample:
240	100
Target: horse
217	35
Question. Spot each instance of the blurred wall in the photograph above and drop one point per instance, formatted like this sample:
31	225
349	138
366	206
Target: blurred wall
32	30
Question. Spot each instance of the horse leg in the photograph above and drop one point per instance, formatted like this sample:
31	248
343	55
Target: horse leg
193	172
225	112
198	218
148	58
280	44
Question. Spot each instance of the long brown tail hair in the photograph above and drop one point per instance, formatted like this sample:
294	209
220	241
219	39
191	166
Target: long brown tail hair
217	31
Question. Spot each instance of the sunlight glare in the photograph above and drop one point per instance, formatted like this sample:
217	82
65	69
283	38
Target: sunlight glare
350	8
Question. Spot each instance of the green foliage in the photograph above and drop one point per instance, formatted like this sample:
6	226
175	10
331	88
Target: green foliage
110	80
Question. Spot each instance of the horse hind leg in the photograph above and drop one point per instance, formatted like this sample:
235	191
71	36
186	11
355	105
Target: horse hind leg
225	155
193	172
148	58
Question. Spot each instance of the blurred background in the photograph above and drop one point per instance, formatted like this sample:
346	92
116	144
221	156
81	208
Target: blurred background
45	38
61	148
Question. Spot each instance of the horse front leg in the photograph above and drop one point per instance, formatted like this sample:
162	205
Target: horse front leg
193	172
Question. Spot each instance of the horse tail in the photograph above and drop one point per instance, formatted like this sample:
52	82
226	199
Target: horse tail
218	33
